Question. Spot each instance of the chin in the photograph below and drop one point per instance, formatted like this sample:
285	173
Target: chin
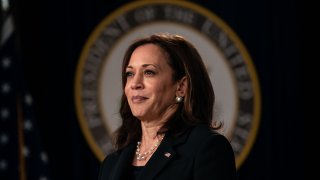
138	115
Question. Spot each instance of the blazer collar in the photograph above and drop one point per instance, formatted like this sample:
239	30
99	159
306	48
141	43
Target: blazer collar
162	156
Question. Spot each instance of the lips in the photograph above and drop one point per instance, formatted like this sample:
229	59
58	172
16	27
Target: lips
138	99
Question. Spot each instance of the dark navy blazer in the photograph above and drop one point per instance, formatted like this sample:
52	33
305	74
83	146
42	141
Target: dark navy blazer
198	154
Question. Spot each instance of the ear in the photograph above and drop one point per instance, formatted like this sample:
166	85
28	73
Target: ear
182	86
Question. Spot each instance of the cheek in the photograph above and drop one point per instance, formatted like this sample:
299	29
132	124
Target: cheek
166	91
126	90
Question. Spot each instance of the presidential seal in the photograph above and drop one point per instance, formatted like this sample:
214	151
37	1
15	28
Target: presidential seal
98	87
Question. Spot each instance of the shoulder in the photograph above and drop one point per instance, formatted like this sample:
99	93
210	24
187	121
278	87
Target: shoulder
108	164
213	153
204	131
204	136
111	158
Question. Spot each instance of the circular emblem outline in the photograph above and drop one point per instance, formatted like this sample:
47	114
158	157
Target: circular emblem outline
249	123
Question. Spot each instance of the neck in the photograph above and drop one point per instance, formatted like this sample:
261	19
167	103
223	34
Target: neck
149	132
150	126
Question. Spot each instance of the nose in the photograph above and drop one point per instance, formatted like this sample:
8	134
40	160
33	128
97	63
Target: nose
137	82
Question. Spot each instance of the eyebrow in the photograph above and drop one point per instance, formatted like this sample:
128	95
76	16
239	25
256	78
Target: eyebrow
143	65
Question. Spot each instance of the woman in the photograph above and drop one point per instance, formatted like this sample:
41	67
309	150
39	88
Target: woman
167	110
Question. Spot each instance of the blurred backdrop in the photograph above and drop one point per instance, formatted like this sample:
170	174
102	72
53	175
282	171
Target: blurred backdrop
49	37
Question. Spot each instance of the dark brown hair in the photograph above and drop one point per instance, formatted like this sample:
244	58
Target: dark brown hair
197	106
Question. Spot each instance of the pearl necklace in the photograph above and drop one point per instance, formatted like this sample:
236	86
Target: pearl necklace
143	156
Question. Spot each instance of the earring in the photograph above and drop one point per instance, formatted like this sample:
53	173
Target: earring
179	99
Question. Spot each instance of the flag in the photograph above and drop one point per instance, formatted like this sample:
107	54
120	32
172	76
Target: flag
21	153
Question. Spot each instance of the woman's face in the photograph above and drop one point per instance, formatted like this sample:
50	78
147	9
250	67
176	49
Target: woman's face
150	89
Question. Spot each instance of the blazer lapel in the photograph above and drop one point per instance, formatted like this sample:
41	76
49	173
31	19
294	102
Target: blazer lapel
163	155
124	162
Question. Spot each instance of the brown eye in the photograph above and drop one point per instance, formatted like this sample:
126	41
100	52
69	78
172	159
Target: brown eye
129	74
149	73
